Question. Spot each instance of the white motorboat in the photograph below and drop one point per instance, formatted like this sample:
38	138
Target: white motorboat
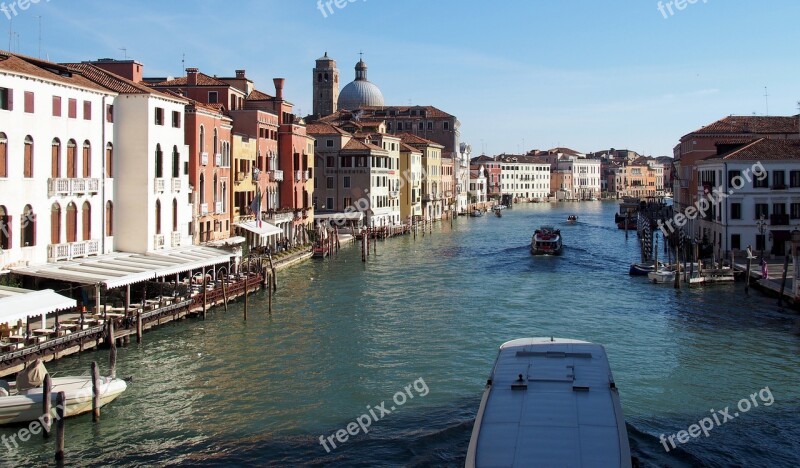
546	241
550	402
26	405
661	275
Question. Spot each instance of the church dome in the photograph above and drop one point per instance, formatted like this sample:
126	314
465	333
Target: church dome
360	92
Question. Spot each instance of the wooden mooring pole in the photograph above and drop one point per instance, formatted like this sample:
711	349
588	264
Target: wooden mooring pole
112	356
783	280
269	295
747	272
205	306
139	326
61	403
677	267
47	399
225	293
95	392
246	293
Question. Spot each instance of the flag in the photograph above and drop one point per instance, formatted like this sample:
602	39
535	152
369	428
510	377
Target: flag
255	206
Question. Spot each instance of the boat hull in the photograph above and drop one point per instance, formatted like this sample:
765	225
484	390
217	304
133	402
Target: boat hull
16	409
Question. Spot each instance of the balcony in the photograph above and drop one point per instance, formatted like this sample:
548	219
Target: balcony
67	187
218	208
394	194
158	242
218	159
176	185
175	239
276	176
298	176
274	217
306	175
240	177
204	159
779	220
203	209
159	184
72	250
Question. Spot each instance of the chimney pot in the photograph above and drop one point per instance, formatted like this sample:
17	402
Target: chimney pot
191	76
278	88
240	73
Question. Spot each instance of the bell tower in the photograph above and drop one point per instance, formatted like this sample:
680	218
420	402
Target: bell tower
326	86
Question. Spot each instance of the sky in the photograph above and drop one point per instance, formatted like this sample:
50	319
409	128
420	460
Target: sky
518	74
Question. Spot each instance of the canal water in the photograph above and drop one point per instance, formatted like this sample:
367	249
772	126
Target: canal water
345	337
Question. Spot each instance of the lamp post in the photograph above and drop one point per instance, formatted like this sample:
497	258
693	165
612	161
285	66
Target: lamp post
761	224
795	263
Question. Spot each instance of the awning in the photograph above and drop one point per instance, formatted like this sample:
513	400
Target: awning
266	229
121	269
347	216
233	240
19	304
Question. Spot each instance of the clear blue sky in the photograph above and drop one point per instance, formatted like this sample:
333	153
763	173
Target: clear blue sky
588	74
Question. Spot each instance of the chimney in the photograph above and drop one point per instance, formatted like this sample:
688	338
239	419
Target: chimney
191	76
129	69
240	74
278	88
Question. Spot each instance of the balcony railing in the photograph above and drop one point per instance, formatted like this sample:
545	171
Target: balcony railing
158	241
394	194
218	208
276	176
175	239
298	175
306	175
203	209
275	217
72	250
176	185
159	184
218	159
779	220
66	187
204	159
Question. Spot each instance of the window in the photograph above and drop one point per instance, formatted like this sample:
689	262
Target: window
87	159
430	125
158	216
778	179
109	218
55	224
159	162
159	116
109	113
761	242
87	110
176	162
72	108
87	221
72	163
28	102
330	161
329	182
5	228
213	97
794	210
176	119
778	208
446	126
346	182
329	203
329	143
27	166
174	215
736	241
56	106
761	182
736	211
202	190
109	160
202	139
72	223
215	148
6	99
762	209
28	227
3	155
420	126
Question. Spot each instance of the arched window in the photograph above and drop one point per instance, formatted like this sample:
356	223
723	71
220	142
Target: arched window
55	224
158	216
109	160
3	155
72	163
215	189
176	162
27	166
87	159
55	159
224	197
319	77
109	218
87	221
5	228
159	162
326	77
202	139
174	215
72	223
28	227
202	188
216	142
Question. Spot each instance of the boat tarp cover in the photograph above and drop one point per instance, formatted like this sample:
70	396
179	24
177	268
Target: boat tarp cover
32	376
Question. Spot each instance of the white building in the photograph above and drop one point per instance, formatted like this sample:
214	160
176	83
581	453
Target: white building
56	157
477	185
586	176
760	212
524	177
462	174
153	208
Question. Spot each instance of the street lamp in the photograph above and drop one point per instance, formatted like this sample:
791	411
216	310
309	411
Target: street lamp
761	224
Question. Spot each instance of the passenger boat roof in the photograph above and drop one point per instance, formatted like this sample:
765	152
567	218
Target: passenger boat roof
564	411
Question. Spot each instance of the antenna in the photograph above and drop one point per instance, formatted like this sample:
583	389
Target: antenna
183	63
40	36
766	98
124	51
10	32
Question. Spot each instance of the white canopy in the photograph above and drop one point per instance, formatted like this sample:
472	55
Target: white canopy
266	229
19	304
121	269
344	215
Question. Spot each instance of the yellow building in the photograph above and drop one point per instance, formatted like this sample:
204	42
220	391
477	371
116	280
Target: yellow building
411	184
432	190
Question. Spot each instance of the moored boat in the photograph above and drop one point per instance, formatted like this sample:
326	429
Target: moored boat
546	241
642	269
550	402
498	213
476	213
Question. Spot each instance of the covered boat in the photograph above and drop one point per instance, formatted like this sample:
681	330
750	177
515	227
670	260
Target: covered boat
546	241
642	269
550	402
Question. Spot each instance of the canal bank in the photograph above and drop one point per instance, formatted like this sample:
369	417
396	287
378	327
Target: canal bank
345	334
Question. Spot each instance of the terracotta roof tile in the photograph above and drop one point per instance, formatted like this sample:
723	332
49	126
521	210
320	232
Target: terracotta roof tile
765	149
115	82
202	80
257	95
318	128
739	124
358	145
410	149
411	139
46	70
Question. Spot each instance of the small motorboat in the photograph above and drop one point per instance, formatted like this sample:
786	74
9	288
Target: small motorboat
476	213
661	276
572	219
642	269
498	213
546	241
321	250
499	207
24	404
